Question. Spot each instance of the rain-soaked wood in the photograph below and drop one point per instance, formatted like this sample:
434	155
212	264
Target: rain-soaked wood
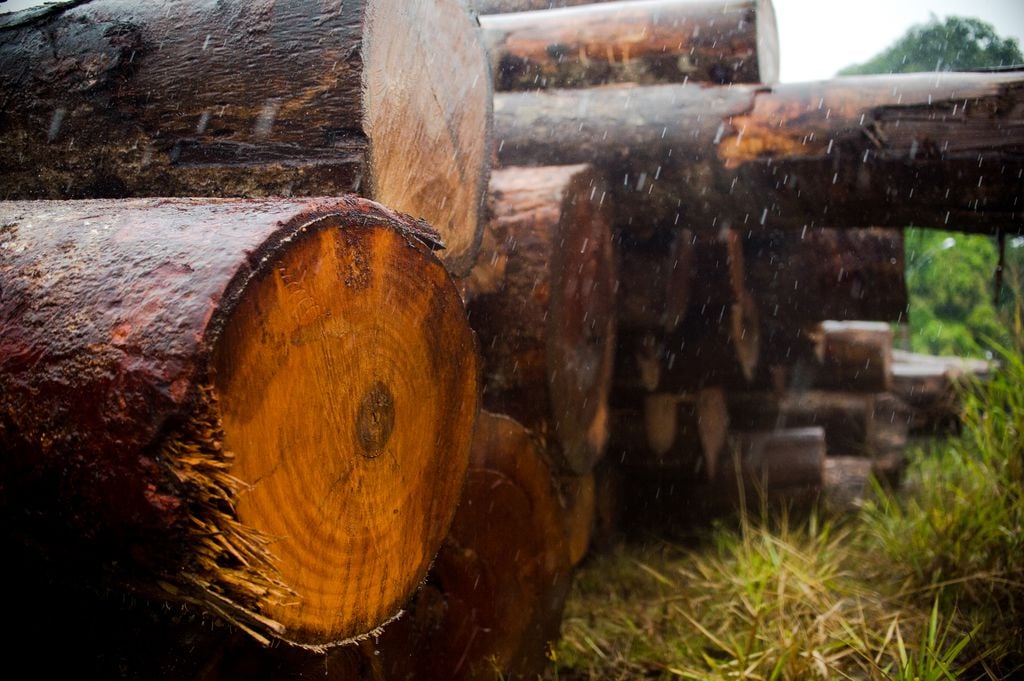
542	302
494	597
857	357
638	41
845	417
680	431
928	385
931	150
263	406
654	280
578	495
855	424
389	99
784	465
819	274
716	345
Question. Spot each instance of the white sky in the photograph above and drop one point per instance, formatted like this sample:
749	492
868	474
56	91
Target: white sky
819	37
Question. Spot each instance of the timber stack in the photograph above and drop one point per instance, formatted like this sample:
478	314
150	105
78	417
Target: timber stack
674	290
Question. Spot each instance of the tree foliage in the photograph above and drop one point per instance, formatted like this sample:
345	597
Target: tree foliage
950	276
958	43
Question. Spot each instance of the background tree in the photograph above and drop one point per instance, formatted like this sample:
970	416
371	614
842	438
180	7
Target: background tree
950	276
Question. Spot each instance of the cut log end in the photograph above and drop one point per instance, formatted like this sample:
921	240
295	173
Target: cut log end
438	170
315	407
581	336
263	407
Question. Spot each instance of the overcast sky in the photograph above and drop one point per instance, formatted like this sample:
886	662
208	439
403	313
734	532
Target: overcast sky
819	37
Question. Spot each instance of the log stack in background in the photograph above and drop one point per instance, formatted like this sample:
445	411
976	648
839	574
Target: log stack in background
637	41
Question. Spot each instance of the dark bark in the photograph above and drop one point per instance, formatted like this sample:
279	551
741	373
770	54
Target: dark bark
932	150
385	98
542	300
819	274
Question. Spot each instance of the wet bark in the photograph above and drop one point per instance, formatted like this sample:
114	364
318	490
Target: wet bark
542	301
931	150
493	600
152	353
107	99
645	41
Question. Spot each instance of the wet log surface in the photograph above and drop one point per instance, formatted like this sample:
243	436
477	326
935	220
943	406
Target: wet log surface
389	99
686	432
203	398
857	357
932	150
929	385
494	597
640	41
819	274
542	302
654	280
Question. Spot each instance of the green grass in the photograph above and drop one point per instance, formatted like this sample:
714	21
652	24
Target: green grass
926	583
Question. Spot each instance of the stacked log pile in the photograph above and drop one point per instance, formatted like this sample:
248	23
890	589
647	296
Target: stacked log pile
674	291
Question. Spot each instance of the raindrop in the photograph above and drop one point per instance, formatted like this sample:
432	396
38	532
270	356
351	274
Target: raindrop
266	117
204	120
55	122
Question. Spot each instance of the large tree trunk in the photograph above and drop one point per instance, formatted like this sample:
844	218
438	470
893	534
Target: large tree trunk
820	274
543	304
205	396
494	598
933	150
641	41
385	98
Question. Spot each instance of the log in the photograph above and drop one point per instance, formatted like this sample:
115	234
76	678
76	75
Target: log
655	280
885	151
780	465
719	269
204	397
686	432
823	273
494	598
857	358
783	467
928	385
844	417
541	300
578	494
389	99
640	41
855	424
716	345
